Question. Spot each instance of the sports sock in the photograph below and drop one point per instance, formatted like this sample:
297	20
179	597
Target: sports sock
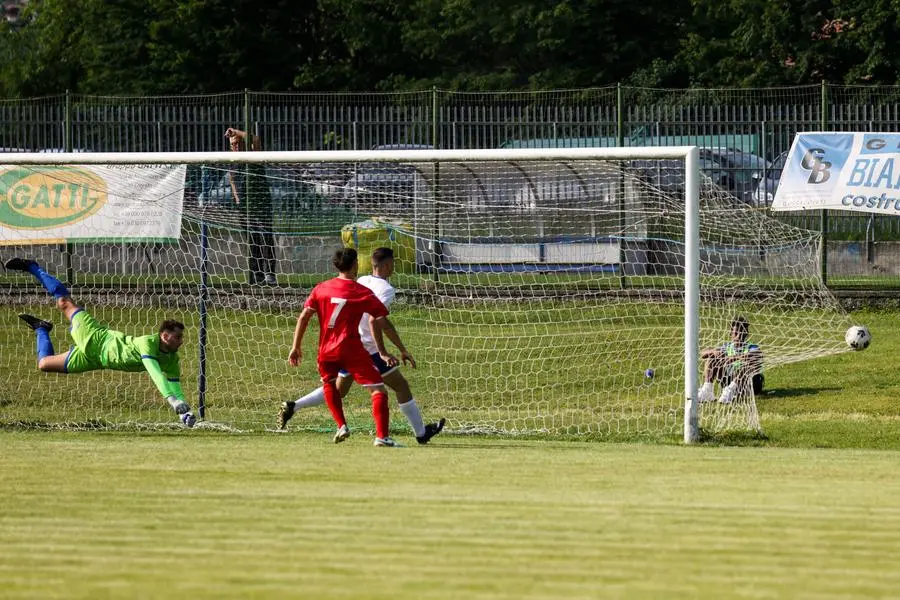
314	398
44	345
335	404
50	283
381	414
411	411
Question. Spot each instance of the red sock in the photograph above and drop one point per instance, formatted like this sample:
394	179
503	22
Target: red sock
381	414
335	404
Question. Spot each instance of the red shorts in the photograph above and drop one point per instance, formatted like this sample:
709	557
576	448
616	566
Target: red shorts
357	363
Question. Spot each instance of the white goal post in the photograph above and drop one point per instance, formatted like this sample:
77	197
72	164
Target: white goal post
552	291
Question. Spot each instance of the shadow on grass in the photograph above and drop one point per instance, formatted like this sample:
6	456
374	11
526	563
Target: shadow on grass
734	438
795	392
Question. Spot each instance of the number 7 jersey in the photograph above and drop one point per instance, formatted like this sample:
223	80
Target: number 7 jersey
340	304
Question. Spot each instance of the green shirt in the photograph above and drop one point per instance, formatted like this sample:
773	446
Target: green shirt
252	185
122	352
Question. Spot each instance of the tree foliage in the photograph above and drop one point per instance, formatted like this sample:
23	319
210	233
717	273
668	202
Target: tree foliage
204	46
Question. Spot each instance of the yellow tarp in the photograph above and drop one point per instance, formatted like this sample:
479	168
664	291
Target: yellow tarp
366	236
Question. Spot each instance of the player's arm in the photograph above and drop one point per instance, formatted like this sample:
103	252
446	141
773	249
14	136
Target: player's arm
149	358
296	354
234	188
173	376
388	329
707	353
753	360
377	325
163	382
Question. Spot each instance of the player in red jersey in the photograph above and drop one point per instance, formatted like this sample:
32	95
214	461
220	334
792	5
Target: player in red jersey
339	304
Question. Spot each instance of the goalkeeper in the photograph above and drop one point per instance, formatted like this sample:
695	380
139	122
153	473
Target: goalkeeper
97	347
733	364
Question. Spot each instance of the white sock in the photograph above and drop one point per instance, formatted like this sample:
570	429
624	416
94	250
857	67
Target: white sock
728	393
411	412
314	398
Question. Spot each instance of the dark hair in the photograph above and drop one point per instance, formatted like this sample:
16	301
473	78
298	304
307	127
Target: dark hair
741	324
381	255
171	325
343	259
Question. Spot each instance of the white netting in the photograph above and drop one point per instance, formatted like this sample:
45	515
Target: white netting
535	294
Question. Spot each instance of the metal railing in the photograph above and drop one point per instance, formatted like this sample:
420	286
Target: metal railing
731	122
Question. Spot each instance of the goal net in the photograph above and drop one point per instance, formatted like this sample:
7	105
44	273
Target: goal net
541	292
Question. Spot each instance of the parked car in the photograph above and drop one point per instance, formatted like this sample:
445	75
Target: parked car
374	183
765	191
326	179
737	172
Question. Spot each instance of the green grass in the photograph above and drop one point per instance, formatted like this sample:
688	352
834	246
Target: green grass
90	515
559	367
809	511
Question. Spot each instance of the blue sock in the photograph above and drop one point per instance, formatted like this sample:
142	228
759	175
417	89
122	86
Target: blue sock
50	283
44	345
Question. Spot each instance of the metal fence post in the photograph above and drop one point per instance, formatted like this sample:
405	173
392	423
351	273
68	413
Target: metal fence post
823	216
435	190
68	145
248	145
620	191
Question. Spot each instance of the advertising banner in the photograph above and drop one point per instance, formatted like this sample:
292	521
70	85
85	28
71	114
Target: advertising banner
90	203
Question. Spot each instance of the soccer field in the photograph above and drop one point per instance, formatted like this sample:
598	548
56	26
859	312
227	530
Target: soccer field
810	511
565	368
90	515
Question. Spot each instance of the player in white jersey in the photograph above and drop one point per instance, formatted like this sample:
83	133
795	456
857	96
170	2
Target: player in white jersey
378	282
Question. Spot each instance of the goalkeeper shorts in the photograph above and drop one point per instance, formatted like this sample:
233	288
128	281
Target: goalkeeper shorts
88	336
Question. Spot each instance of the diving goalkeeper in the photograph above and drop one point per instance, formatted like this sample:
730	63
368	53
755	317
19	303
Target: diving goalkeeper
97	347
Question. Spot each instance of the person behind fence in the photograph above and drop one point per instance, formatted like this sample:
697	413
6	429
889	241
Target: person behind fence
250	188
733	364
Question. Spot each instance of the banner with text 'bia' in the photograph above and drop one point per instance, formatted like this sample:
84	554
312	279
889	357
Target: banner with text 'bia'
47	204
841	171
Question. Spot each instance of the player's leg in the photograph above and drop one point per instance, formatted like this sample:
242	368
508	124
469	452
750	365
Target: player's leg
381	415
314	398
712	371
730	387
328	370
68	307
366	374
48	361
268	255
395	380
759	381
53	285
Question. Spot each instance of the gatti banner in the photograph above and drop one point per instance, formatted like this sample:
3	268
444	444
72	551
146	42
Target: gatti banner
47	204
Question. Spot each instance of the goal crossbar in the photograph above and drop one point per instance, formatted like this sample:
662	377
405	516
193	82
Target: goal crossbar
343	156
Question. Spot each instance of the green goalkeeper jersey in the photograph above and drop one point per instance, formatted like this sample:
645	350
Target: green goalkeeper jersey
98	347
122	352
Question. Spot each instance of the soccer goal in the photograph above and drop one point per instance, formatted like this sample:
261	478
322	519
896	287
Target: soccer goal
563	292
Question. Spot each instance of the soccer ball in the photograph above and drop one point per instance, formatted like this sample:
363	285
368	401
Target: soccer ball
858	337
649	373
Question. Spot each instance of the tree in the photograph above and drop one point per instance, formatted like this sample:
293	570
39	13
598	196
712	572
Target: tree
759	43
